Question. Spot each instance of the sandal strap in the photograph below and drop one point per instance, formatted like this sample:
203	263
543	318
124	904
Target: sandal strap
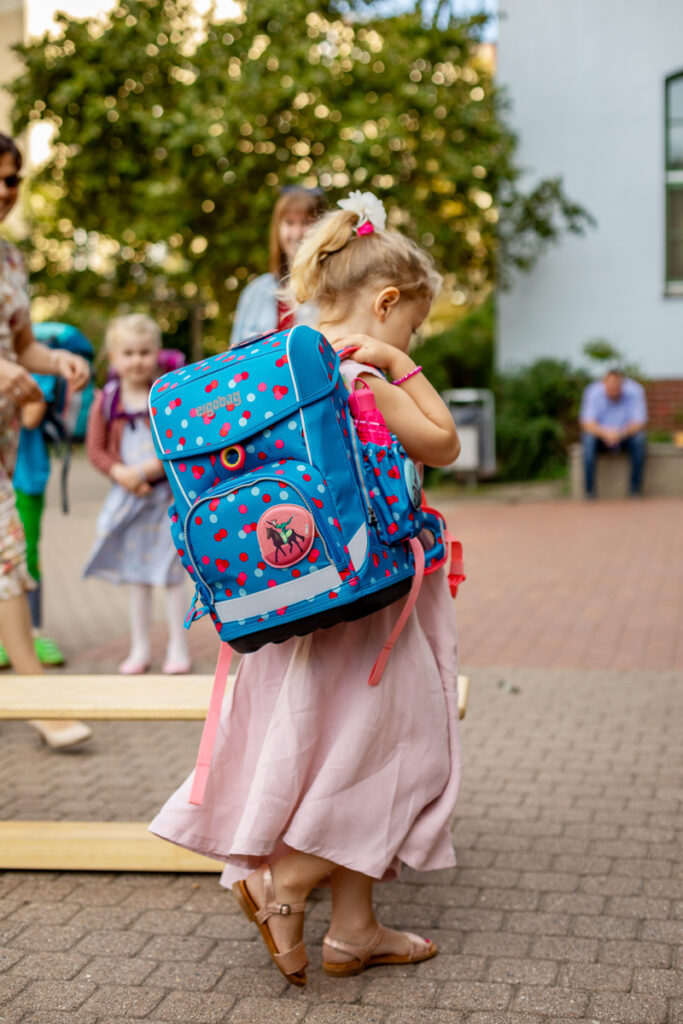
293	960
360	953
270	906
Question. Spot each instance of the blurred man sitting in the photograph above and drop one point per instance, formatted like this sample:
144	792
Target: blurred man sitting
613	417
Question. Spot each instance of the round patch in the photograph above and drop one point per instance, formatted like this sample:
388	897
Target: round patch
285	534
413	482
233	457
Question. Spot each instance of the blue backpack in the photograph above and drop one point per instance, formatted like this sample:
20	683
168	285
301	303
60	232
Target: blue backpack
285	521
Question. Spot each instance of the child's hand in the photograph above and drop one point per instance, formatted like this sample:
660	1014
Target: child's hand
376	353
33	414
129	478
73	368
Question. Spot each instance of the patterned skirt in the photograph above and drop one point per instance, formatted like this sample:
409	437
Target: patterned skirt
14	576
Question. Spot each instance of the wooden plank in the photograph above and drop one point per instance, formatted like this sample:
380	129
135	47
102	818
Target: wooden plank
114	697
111	697
93	846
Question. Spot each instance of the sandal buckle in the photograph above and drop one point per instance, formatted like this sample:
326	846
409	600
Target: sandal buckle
285	909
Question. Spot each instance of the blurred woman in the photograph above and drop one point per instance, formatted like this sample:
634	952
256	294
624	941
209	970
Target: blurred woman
20	356
259	309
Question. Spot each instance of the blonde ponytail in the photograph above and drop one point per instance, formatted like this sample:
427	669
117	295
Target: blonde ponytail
334	263
330	235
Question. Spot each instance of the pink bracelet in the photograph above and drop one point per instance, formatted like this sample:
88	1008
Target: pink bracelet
407	376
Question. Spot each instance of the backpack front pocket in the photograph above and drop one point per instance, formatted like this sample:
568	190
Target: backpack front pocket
266	528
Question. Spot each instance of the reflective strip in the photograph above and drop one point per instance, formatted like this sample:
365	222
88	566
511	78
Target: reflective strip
293	591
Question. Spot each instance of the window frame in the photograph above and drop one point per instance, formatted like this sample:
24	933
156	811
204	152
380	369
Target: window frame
673	182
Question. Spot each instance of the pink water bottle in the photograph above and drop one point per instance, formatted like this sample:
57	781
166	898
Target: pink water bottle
370	425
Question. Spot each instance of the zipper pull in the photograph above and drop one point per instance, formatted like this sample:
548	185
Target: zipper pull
194	613
372	516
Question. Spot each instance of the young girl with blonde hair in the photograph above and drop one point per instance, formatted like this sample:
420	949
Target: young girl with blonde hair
316	775
134	543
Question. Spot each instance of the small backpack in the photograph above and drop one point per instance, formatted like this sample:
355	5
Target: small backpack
67	412
283	518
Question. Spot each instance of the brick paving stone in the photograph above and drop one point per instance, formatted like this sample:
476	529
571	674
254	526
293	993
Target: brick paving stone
603	927
395	991
228	953
56	1017
265	980
508	899
166	922
539	923
48	937
663	931
422	1017
676	1011
63	966
658	982
623	1008
496	944
116	970
517	971
505	1018
473	995
45	913
572	903
223	926
555	948
188	977
195	1008
323	989
468	920
10	985
119	1000
335	1013
553	1002
596	977
9	957
52	996
636	953
177	947
103	943
448	967
99	919
255	1010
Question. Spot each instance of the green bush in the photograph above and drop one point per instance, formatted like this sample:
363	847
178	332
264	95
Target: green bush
462	356
537	410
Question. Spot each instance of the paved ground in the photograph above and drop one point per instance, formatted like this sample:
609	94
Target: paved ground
567	902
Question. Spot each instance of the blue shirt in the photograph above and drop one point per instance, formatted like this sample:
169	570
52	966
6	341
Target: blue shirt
629	408
256	311
32	468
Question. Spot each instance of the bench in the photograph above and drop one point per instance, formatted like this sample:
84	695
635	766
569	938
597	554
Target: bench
107	845
663	472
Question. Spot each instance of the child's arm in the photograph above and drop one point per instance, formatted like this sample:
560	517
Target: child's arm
414	411
33	414
96	443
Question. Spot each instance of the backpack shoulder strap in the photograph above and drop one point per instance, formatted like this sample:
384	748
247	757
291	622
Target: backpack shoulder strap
110	400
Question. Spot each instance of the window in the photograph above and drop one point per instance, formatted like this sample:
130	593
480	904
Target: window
674	184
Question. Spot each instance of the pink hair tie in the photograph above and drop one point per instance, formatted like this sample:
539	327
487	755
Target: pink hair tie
365	228
407	376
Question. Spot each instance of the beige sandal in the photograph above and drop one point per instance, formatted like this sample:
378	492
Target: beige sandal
361	957
292	962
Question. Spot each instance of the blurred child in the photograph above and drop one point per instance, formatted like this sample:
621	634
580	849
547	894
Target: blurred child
134	542
31	474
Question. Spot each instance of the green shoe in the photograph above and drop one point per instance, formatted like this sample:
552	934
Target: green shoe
47	651
4	660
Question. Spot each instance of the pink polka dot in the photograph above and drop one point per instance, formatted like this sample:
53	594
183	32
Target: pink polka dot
279	443
244	557
262	387
242	578
243	509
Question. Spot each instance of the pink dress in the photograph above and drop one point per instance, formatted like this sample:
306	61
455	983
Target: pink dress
309	757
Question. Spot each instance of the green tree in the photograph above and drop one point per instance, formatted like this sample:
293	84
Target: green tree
171	138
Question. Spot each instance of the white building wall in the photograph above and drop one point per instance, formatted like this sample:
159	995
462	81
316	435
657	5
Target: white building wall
586	80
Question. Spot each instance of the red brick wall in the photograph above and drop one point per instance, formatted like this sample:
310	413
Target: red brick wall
664	400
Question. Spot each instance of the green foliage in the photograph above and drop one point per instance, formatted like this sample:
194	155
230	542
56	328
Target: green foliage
537	410
172	137
462	356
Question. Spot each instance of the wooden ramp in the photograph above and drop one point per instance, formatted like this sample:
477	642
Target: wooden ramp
107	845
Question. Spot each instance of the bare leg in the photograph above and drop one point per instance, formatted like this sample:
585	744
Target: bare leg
294	876
15	630
353	918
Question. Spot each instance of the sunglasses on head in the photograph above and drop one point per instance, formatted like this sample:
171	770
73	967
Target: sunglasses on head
12	180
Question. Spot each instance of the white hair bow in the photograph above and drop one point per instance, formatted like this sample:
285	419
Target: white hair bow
369	209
